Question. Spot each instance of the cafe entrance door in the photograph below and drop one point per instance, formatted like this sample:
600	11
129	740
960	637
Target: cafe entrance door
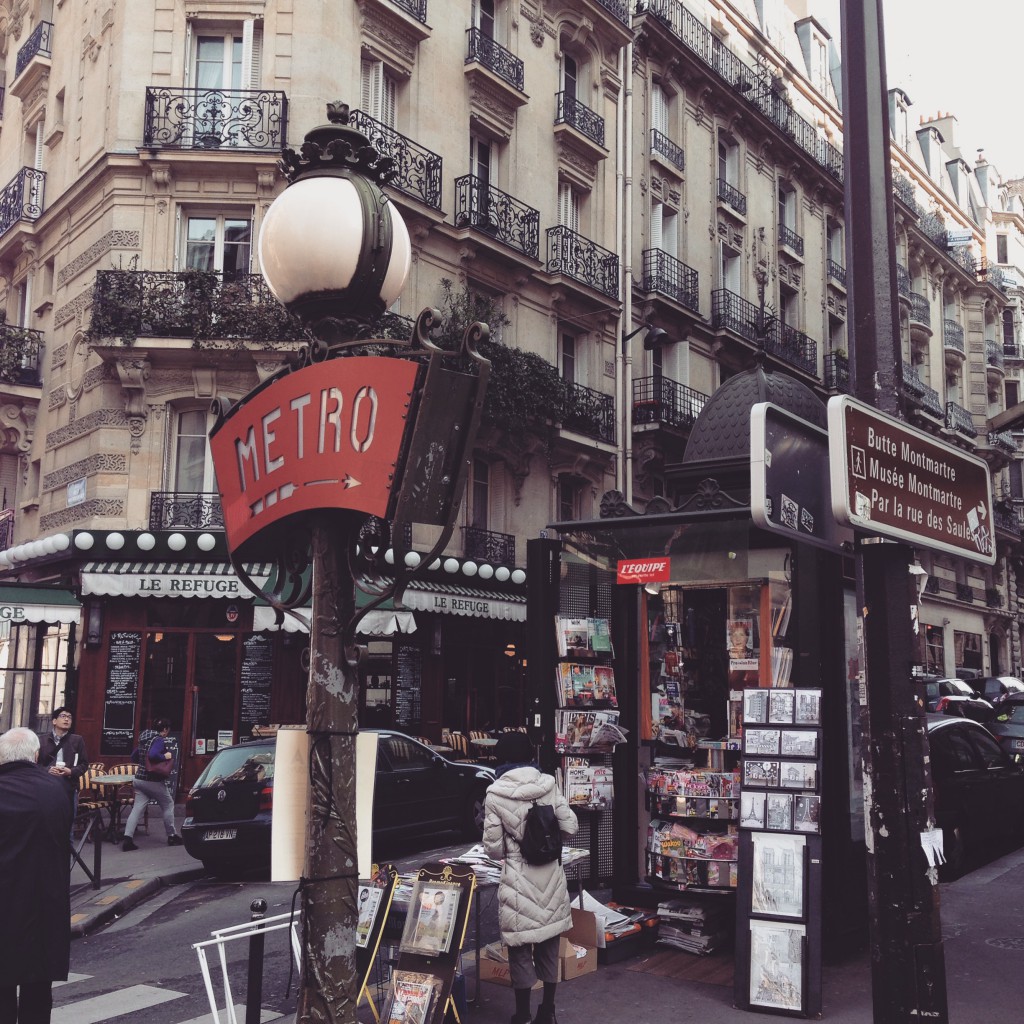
191	678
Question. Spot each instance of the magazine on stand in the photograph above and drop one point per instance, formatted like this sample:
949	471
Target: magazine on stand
369	901
579	636
588	785
412	996
580	685
430	922
587	730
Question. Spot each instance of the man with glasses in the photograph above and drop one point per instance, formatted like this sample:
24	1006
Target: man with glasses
62	754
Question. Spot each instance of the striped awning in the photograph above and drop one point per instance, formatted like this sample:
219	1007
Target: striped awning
452	599
170	579
377	622
38	604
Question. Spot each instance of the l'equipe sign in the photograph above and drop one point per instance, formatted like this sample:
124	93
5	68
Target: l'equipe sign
642	570
889	478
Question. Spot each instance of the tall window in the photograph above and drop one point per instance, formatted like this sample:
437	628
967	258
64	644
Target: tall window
659	108
834	241
568	206
789	306
485	17
481	495
378	92
664	228
567	358
229	58
1002	256
193	468
728	160
568	499
1008	334
570	77
787	206
218	243
730	269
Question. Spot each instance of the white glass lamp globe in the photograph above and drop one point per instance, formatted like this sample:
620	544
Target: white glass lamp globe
310	240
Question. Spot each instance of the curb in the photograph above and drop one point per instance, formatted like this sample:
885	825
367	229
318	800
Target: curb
106	906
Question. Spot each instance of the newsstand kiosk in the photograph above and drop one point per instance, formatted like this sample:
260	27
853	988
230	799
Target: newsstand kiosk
696	683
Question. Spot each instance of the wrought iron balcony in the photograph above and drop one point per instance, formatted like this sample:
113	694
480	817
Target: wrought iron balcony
480	205
789	238
994	355
920	310
903	283
730	312
1002	441
22	198
185	510
959	419
903	187
418	169
962	256
1012	350
488	546
993	598
792	346
20	349
953	336
837	272
572	255
988	273
668	276
965	592
505	64
930	401
617	8
1006	517
227	119
934	227
837	372
417	8
570	111
589	412
201	305
732	196
660	400
664	146
923	395
6	528
933	585
37	44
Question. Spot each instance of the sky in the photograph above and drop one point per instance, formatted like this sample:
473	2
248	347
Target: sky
958	58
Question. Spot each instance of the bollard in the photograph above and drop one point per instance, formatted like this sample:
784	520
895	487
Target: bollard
254	985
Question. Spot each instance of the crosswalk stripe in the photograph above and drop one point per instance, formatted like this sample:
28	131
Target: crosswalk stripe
265	1015
113	1004
72	978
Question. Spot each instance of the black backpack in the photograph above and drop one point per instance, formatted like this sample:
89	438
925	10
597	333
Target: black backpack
542	838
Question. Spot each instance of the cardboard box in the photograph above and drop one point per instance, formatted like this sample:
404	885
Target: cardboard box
582	933
497	972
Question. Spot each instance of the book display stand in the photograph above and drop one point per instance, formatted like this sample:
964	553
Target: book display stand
428	954
375	896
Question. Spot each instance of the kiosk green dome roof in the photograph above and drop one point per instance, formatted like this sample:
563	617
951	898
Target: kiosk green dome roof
722	430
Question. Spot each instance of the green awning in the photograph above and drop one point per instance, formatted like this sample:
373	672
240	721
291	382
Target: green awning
19	604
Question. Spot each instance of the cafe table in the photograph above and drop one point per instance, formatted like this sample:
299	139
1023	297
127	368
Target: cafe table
486	743
110	786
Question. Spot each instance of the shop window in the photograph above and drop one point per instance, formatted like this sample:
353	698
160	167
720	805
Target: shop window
217	242
934	653
967	649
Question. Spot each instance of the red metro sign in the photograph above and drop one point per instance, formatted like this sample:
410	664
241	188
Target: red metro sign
326	436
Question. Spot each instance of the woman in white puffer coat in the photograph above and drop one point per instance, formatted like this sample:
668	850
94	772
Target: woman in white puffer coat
533	900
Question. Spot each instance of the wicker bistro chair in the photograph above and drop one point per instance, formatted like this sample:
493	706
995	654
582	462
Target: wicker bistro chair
126	793
460	744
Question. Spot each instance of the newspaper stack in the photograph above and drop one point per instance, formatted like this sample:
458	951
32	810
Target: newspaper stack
486	869
693	926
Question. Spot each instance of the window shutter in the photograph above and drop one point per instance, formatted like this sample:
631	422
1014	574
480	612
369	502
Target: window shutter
373	88
656	210
188	53
659	109
387	104
255	76
179	241
669	232
39	145
568	207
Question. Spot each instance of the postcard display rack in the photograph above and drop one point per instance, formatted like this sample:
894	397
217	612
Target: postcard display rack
428	954
375	896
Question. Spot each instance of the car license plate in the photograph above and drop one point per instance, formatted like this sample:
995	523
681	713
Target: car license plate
1018	744
220	833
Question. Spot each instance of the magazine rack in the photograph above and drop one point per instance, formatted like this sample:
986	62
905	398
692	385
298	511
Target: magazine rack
383	879
435	969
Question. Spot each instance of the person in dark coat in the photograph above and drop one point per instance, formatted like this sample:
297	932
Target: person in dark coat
35	880
62	754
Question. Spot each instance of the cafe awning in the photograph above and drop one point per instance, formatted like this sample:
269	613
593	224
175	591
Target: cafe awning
378	622
170	579
38	604
451	599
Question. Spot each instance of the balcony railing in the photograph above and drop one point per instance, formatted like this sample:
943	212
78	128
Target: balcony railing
495	57
571	254
664	146
965	592
953	336
659	400
227	119
22	198
792	346
959	419
920	309
990	274
837	272
488	546
789	238
37	44
589	412
201	305
1006	517
1003	441
480	205
569	110
924	396
962	256
931	402
693	34
185	510
20	349
6	528
732	196
994	355
1012	350
668	276
417	8
903	187
730	312
418	170
934	227
903	283
617	8
993	598
837	372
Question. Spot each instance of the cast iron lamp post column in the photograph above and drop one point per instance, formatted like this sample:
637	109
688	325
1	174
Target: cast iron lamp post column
336	253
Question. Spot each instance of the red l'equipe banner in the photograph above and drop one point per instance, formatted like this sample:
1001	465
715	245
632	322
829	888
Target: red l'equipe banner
642	570
326	436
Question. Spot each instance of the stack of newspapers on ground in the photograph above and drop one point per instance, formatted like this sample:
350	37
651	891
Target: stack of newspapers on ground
693	925
487	869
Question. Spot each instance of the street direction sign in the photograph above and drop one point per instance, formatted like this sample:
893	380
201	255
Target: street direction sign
893	480
789	489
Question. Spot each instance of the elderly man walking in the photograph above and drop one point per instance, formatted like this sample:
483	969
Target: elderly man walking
35	868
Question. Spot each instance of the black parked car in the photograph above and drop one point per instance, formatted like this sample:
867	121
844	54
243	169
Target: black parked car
979	791
1008	725
995	688
417	792
952	697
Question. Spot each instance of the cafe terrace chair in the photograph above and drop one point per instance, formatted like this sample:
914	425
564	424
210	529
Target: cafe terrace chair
460	744
126	793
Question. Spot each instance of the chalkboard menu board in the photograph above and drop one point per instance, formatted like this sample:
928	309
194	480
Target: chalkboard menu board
122	687
257	665
408	679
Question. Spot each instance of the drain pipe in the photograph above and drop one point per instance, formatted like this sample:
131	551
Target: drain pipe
624	199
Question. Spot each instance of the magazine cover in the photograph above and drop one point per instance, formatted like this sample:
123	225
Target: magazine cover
600	636
573	635
604	684
430	923
369	901
411	997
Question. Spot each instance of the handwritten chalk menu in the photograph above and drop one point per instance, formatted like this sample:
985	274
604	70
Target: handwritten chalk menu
257	665
122	687
408	677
